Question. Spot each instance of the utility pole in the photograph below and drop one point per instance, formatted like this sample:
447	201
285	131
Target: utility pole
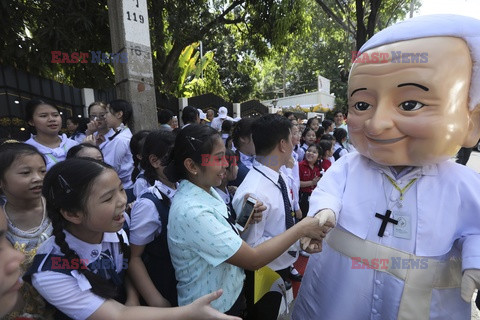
134	82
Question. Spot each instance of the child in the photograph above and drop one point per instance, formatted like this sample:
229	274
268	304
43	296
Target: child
97	131
10	272
206	249
80	269
309	170
308	138
76	128
45	119
339	149
313	123
22	169
138	178
85	150
148	227
327	153
116	149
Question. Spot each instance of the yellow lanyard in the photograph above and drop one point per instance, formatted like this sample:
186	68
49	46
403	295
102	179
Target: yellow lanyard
404	190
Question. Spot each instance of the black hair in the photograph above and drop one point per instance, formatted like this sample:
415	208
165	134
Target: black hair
164	116
158	143
191	142
67	186
287	114
97	103
326	124
337	112
74	120
121	105
320	132
319	150
325	145
227	126
32	105
136	146
242	129
189	115
30	108
73	151
339	134
10	151
231	157
268	131
81	125
309	121
327	136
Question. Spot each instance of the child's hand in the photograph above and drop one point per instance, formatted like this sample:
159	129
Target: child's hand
201	308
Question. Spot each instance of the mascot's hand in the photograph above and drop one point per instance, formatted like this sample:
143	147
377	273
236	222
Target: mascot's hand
323	216
470	282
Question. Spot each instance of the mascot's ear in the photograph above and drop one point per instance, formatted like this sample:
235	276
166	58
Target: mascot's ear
473	134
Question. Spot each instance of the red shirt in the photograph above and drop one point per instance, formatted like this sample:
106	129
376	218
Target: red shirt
326	164
307	174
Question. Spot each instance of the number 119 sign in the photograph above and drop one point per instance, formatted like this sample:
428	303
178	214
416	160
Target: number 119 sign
135	16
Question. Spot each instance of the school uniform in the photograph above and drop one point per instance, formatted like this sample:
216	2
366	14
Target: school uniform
54	155
68	290
262	183
265	184
140	185
116	152
144	222
245	163
148	227
78	136
293	177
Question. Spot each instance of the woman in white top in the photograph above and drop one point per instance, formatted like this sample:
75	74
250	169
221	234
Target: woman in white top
116	149
45	119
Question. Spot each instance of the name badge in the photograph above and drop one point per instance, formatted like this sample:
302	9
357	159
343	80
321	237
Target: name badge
403	228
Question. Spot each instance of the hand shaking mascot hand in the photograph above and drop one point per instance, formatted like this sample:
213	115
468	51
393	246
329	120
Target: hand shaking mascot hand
407	239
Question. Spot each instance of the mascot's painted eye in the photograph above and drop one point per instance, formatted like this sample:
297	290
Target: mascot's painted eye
362	106
411	105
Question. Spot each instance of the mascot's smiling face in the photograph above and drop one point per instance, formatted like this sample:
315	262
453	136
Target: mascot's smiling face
404	113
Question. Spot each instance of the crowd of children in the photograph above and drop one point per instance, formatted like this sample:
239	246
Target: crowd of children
117	222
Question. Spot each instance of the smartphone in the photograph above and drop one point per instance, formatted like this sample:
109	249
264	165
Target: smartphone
246	214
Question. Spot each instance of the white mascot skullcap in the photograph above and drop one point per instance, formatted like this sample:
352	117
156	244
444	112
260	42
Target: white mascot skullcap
438	25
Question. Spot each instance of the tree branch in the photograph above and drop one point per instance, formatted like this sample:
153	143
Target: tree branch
218	19
335	17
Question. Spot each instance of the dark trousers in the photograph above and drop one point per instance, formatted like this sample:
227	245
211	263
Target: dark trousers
463	155
303	202
268	306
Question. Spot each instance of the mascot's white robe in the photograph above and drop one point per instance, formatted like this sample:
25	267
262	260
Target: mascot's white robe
442	210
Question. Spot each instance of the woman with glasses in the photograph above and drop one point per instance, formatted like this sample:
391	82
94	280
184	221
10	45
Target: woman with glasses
97	130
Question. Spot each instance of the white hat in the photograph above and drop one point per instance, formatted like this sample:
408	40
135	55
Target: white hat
437	25
222	112
202	114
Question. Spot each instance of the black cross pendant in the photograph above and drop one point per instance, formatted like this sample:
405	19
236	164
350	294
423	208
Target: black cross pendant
385	219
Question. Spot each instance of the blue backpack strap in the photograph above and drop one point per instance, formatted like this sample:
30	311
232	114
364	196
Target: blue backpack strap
51	262
336	154
162	206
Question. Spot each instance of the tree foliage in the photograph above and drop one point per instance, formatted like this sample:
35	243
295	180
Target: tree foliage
326	49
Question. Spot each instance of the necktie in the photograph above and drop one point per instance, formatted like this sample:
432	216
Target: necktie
105	268
286	203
